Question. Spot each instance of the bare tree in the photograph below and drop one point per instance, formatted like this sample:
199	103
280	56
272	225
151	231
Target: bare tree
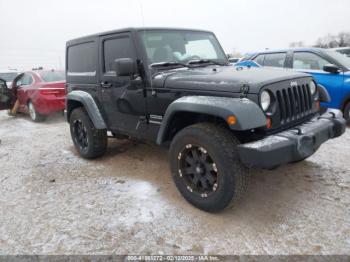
234	53
296	44
331	41
343	39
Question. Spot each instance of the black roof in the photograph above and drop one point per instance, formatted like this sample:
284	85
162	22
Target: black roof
128	29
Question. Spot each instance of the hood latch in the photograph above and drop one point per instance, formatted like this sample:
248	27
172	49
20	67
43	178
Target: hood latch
244	90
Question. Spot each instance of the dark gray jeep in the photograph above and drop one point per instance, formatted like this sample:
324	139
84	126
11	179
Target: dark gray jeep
175	87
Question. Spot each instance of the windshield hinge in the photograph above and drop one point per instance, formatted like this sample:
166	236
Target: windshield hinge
244	90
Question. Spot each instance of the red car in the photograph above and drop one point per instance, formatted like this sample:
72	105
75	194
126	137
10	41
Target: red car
39	93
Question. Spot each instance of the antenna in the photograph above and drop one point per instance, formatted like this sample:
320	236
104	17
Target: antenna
141	10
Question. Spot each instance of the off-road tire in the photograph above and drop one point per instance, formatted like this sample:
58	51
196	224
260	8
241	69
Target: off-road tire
347	113
97	139
33	113
233	177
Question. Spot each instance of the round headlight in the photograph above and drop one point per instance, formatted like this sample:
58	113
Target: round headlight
265	100
312	87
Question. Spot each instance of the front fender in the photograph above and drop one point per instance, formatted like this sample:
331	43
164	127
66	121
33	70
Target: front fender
248	114
90	106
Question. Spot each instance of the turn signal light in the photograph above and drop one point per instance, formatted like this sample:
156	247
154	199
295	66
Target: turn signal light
318	106
268	122
231	120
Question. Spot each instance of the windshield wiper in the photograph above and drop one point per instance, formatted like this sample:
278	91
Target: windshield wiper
167	64
206	61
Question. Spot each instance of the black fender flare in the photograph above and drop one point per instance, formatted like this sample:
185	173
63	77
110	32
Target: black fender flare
323	93
248	114
90	106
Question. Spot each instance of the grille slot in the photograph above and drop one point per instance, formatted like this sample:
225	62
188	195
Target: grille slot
294	103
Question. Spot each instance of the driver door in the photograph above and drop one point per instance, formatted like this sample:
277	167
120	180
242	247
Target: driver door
5	96
124	106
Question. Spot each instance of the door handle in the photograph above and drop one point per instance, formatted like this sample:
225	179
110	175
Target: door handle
106	84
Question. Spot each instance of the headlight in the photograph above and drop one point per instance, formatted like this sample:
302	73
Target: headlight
312	87
265	100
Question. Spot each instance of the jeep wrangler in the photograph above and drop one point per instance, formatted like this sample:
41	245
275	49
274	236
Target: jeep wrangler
176	88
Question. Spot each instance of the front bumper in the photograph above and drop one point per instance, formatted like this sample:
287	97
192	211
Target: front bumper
293	144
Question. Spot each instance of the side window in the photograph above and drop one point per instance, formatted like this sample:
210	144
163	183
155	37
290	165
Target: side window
82	59
3	86
275	60
26	80
115	48
18	82
307	60
5	94
259	60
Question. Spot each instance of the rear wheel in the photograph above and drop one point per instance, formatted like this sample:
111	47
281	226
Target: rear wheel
89	141
206	168
34	115
347	113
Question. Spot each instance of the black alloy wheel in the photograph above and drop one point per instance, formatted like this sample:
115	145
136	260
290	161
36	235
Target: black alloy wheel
198	170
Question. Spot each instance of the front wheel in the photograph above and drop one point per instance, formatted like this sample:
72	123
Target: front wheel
89	141
34	115
206	168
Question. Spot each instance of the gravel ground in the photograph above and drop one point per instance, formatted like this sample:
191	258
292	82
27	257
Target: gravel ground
54	202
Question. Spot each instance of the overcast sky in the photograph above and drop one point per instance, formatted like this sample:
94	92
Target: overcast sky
34	32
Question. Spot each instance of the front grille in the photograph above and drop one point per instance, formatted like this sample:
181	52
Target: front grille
294	103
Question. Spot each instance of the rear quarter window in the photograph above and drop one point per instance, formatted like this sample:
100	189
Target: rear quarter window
82	62
82	59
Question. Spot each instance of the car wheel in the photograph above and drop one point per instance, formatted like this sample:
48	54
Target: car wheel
205	166
89	141
347	113
34	115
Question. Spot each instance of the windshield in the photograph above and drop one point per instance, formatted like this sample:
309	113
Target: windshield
52	76
8	77
340	58
181	46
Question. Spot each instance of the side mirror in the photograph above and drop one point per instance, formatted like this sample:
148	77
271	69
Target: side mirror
125	67
3	84
330	68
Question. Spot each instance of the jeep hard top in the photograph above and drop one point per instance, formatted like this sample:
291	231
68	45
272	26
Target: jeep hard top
176	88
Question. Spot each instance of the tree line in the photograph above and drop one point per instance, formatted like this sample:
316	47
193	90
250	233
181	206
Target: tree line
341	39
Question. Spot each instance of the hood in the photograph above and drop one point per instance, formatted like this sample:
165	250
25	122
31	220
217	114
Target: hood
223	78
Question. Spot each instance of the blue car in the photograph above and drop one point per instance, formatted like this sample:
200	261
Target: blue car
329	68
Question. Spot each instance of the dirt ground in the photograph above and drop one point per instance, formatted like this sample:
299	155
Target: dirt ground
54	202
